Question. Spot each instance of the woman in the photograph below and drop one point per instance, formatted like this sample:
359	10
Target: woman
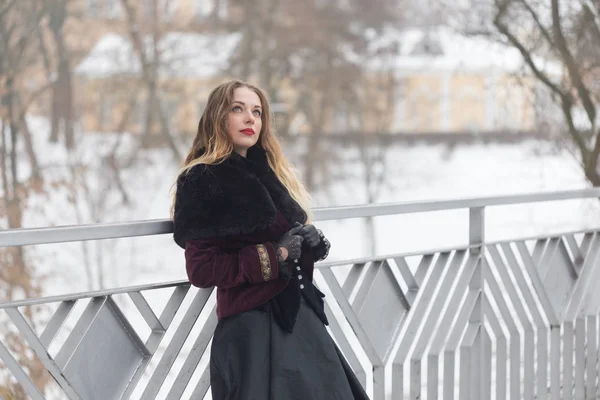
241	216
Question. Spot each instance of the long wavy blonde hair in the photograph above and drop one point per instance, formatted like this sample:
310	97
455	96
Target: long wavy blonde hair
212	145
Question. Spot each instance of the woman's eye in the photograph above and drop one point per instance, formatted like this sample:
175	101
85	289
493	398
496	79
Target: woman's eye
236	108
257	113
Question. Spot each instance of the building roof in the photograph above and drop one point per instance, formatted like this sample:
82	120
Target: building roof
443	49
181	54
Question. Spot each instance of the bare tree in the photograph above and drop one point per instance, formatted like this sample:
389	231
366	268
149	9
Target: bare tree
62	87
568	34
315	47
19	22
150	60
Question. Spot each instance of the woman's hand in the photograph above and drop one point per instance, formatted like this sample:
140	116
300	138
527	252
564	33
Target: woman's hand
316	240
289	245
310	234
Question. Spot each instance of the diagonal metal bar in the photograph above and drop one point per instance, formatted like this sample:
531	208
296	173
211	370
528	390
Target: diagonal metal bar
353	278
538	318
407	277
546	259
432	316
170	355
576	253
424	299
344	345
361	334
338	294
449	317
423	267
146	311
55	323
30	388
365	286
466	362
453	307
139	373
516	303
539	249
521	280
81	327
193	358
586	242
157	334
179	293
537	284
501	349
586	278
507	317
203	385
473	298
42	352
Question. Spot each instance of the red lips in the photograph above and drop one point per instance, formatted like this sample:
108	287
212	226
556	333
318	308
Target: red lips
248	131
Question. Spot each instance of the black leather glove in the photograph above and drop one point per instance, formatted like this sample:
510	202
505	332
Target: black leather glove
310	234
321	251
292	242
315	239
285	270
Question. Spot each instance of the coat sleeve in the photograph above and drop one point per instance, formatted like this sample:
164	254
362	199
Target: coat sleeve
210	263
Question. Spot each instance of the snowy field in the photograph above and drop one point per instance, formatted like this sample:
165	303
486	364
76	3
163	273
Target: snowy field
415	173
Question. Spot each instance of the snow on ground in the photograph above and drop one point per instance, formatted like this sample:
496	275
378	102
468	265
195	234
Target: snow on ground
415	173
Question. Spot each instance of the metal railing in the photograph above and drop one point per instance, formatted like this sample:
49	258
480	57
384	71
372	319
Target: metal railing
514	319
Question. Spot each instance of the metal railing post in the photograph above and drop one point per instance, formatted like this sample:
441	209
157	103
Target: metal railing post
481	355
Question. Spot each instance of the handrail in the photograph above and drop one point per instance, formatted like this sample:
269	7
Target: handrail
323	264
91	294
34	236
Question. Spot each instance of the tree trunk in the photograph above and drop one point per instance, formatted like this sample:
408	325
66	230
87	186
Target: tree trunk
55	112
62	107
149	117
36	174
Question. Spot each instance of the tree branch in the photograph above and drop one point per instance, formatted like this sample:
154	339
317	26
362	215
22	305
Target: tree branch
589	17
526	55
565	96
536	19
561	43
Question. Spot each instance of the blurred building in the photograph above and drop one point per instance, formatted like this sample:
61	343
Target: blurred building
190	54
435	81
449	82
189	65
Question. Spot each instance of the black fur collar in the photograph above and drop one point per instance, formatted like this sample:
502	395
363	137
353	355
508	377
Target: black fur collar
237	197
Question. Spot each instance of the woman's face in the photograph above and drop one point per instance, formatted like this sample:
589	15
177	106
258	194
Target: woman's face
244	121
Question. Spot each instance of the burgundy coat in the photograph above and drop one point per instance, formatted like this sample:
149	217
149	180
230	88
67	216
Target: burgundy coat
244	268
227	218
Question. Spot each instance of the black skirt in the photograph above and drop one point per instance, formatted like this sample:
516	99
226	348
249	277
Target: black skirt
252	358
